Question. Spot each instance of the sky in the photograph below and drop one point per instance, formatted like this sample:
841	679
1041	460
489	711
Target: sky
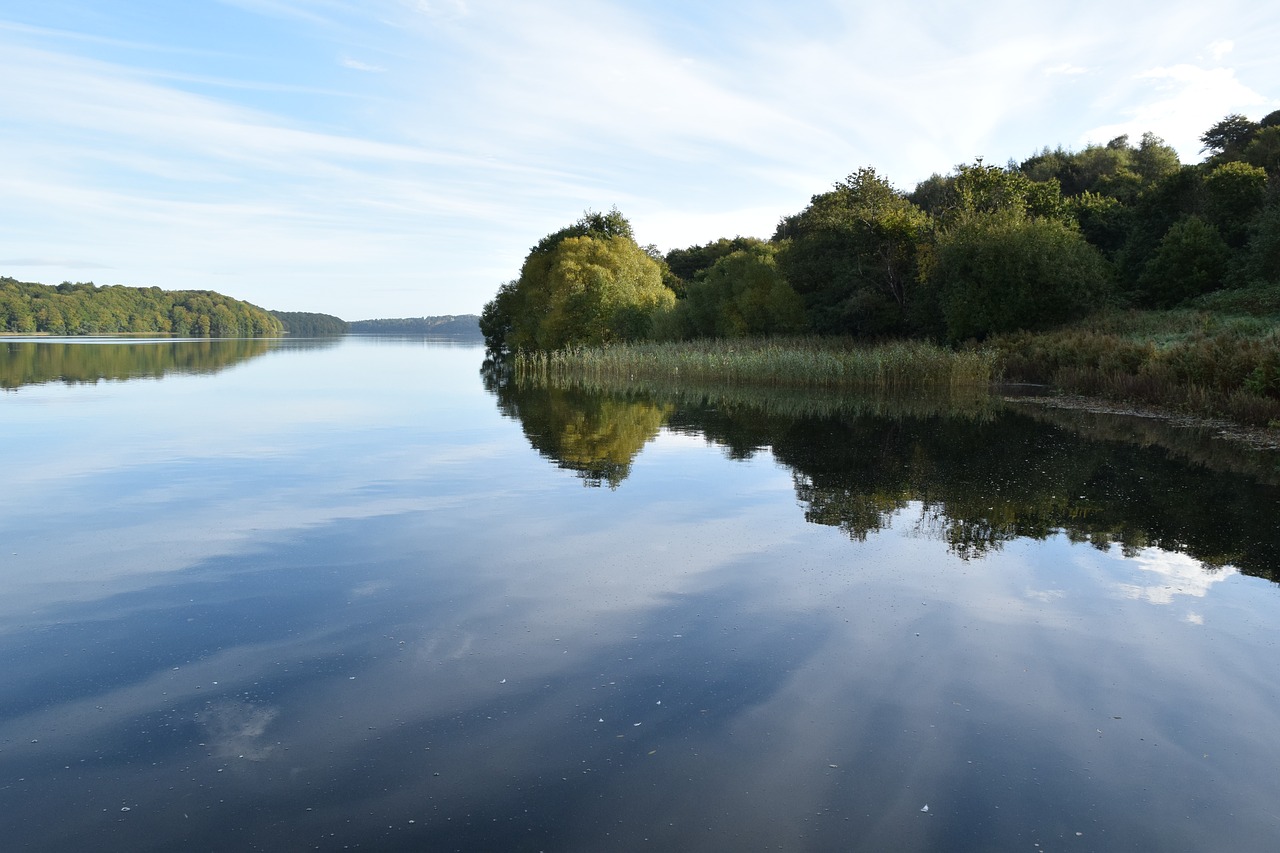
399	158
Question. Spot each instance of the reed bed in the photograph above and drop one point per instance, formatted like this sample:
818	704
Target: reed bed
816	363
1192	362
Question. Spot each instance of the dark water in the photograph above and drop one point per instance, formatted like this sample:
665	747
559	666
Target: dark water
346	596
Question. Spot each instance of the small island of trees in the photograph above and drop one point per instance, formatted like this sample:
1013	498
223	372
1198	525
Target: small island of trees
1115	270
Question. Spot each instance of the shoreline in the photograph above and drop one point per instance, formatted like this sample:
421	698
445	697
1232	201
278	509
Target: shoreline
1256	438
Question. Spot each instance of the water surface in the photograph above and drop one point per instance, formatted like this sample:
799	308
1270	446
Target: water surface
348	596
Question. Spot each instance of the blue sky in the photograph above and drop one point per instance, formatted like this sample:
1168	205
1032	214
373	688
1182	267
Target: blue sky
396	158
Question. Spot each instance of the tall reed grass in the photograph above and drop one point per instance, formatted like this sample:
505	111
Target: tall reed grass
818	363
1198	363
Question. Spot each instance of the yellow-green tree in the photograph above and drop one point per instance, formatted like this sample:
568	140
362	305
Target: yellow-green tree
589	283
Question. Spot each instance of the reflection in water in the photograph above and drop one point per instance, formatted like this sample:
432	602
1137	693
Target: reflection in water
968	478
89	360
594	435
331	600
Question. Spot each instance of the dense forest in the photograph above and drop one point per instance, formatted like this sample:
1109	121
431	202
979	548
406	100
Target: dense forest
449	325
86	309
981	251
305	324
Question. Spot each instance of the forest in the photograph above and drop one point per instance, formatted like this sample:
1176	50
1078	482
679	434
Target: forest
86	309
308	324
447	325
1038	259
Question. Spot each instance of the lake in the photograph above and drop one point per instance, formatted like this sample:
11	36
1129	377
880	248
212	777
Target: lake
268	595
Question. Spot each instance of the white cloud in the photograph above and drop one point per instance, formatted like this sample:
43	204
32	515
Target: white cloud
357	65
1175	575
1221	48
473	128
1180	102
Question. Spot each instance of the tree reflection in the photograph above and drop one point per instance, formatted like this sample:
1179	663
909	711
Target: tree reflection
973	480
85	361
596	436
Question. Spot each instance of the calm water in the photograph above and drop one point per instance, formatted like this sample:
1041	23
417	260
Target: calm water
258	596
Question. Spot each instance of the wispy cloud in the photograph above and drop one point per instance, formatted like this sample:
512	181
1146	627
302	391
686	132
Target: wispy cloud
357	65
472	128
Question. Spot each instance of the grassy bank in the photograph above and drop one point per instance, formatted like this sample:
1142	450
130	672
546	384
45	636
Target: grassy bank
773	362
1198	361
1218	358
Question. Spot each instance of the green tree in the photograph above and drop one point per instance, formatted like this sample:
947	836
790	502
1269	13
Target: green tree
742	294
688	264
1229	137
497	318
853	256
1233	194
1191	259
1264	150
999	273
589	283
1259	262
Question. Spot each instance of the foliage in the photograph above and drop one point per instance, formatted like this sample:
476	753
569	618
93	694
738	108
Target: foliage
1191	259
1259	262
853	255
444	326
1186	360
1264	150
742	294
86	309
689	264
997	273
588	283
1229	137
304	324
1116	170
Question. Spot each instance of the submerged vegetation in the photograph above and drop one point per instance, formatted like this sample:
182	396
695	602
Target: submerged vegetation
1116	270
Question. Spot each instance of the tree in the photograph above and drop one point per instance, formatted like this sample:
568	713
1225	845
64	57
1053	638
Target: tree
1233	194
1154	159
688	264
853	256
1000	273
1191	259
742	294
1228	138
497	319
589	283
1259	263
1264	150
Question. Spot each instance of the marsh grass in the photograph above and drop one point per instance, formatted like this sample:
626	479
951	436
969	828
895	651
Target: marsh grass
972	404
1191	361
776	363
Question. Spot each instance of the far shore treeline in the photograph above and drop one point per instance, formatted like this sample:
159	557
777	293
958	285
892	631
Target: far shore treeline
1006	257
83	308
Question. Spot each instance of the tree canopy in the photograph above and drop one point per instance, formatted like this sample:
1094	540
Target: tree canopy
589	283
980	250
86	309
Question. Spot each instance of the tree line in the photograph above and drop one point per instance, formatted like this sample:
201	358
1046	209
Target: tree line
83	308
308	324
983	250
447	325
